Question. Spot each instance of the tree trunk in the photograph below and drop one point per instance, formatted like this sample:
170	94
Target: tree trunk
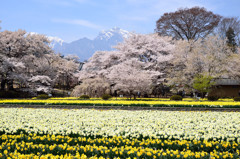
10	85
3	83
134	96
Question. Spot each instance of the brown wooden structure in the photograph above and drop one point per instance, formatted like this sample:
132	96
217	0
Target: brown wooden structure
226	87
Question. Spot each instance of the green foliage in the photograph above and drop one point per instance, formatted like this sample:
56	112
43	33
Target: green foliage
203	83
84	97
176	97
42	96
231	39
106	96
58	93
213	98
236	98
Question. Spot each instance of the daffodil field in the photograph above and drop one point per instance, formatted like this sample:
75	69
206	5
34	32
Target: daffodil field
154	102
74	133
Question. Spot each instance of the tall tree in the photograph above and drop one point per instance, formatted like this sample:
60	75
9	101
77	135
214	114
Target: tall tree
138	62
188	24
27	60
231	39
65	70
225	24
211	57
20	52
203	83
94	87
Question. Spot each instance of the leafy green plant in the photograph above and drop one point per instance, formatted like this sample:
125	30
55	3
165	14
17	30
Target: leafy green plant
176	97
42	96
203	83
84	97
213	98
106	96
236	98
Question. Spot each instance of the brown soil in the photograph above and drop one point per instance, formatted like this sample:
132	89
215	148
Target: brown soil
121	108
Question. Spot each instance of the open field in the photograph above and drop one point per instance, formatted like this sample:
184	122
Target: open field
110	132
56	133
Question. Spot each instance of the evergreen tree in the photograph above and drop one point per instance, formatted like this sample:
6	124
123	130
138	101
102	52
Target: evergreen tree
231	39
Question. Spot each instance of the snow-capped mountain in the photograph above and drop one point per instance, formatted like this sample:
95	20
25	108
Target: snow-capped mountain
55	41
85	48
108	34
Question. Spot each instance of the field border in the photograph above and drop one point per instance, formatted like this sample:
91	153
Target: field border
131	108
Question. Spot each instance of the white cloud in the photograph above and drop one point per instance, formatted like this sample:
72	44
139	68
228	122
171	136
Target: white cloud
80	22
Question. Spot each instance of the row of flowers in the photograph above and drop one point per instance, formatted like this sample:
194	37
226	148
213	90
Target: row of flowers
141	99
145	103
128	124
24	139
58	146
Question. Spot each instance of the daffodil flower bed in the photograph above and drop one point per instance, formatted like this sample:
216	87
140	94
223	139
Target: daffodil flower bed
57	146
155	124
54	133
153	103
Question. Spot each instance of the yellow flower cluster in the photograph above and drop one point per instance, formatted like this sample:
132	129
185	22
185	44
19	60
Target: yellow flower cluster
96	102
58	146
144	99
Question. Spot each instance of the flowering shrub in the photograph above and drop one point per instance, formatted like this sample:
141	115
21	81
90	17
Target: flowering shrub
42	96
84	97
176	97
106	96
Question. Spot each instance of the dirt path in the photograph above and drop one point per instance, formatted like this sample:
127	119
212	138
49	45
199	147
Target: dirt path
132	108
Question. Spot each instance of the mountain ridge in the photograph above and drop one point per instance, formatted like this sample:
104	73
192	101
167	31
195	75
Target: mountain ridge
85	48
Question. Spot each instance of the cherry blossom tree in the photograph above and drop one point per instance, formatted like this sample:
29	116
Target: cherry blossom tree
94	87
29	64
41	83
136	64
66	71
131	81
210	57
233	68
13	47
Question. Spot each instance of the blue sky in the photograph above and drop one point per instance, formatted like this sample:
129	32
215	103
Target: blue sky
74	19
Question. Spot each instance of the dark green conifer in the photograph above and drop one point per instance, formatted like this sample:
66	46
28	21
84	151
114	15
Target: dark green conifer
231	42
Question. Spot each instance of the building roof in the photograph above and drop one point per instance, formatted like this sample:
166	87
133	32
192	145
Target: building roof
226	81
